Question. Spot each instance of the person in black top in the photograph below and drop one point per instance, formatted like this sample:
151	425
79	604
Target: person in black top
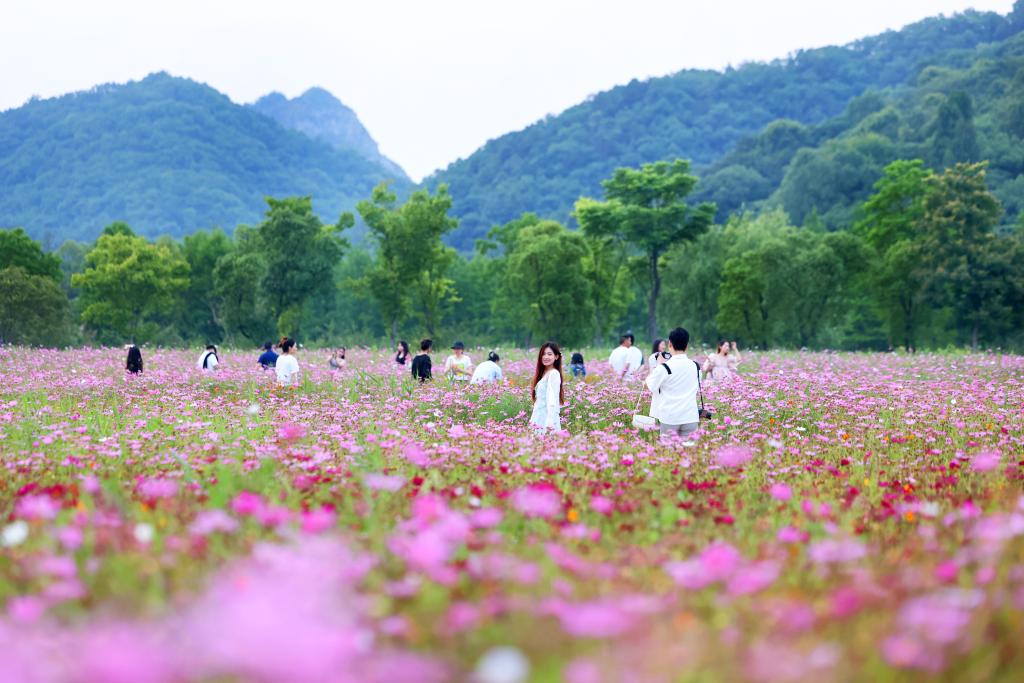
421	362
268	358
403	353
134	360
577	366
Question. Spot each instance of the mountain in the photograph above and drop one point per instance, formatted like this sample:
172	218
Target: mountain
969	110
168	156
697	115
320	115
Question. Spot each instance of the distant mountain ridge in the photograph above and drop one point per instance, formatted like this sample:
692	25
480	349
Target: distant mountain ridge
693	114
167	155
320	115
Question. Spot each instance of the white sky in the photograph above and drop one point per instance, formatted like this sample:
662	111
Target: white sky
432	81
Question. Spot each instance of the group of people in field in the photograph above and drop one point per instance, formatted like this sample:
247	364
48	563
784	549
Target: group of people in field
673	379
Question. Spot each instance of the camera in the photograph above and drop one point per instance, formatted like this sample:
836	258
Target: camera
666	355
704	414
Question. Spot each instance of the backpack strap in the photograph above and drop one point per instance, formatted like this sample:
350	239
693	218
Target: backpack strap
700	389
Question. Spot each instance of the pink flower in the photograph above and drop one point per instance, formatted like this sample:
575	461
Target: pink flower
986	461
211	521
753	578
780	492
383	482
601	505
317	520
486	518
247	503
291	431
790	534
538	500
457	431
733	456
36	507
720	560
154	489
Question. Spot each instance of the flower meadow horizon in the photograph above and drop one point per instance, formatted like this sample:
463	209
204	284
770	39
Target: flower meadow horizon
843	517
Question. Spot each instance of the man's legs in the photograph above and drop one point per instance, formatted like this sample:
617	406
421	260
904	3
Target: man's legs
678	431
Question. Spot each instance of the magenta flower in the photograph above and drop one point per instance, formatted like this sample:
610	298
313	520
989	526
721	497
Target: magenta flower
538	500
780	492
383	482
986	461
36	507
733	456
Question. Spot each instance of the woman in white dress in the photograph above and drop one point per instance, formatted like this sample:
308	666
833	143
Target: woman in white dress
546	389
287	366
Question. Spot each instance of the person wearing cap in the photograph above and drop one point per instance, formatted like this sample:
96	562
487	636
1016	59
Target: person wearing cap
488	371
458	367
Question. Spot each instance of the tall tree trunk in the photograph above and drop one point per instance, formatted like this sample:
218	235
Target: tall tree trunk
652	303
394	331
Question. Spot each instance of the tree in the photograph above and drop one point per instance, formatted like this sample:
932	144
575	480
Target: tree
970	263
606	267
200	318
645	208
33	308
299	254
128	284
236	284
20	250
411	266
891	226
545	277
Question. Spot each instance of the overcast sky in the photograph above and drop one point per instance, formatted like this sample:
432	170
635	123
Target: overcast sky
432	81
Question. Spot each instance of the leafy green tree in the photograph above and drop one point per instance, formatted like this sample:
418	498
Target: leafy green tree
20	250
606	267
411	269
971	264
200	316
33	308
645	208
545	277
127	286
891	226
299	254
237	279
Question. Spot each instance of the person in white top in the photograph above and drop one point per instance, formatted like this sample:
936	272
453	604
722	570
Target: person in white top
488	371
674	384
626	359
208	359
287	366
546	389
458	366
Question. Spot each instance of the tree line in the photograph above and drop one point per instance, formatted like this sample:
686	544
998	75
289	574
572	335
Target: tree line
922	266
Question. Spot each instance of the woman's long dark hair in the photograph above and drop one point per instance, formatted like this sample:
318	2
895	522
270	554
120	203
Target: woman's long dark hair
405	347
539	373
657	343
134	360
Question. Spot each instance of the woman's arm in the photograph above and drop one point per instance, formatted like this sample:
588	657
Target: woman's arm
551	399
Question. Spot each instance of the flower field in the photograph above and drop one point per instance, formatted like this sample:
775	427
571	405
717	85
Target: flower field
843	517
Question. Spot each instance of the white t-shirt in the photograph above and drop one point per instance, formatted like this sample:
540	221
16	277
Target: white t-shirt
210	363
287	369
461	362
488	371
625	360
675	393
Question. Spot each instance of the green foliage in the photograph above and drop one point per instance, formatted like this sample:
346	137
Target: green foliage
702	115
200	319
128	285
19	250
411	269
33	308
645	209
165	154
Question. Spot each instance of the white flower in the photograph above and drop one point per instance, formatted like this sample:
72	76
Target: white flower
14	534
502	665
253	409
143	533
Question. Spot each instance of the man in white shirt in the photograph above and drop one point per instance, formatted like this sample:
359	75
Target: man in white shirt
208	359
626	358
674	382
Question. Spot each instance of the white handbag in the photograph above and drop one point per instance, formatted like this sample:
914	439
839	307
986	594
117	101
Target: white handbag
641	421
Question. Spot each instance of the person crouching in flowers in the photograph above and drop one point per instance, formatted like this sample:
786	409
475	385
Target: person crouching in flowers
546	389
287	366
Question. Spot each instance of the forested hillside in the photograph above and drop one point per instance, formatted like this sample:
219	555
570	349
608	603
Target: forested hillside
167	155
698	115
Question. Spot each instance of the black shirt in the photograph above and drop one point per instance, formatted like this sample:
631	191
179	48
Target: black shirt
401	357
421	367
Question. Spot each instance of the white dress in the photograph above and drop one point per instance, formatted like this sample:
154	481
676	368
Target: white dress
545	408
